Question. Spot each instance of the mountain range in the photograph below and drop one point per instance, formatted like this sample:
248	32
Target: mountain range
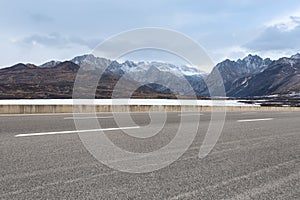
247	77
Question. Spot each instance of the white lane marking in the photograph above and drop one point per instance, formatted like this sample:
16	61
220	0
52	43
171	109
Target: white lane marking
47	114
107	117
190	114
75	131
70	114
31	115
255	120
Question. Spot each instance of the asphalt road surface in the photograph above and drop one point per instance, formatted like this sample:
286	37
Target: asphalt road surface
256	157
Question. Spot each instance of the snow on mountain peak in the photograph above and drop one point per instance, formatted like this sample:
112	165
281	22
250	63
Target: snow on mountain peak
91	60
50	64
296	56
290	61
178	70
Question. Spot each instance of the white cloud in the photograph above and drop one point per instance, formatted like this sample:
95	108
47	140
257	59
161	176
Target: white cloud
285	22
230	52
56	40
35	50
280	37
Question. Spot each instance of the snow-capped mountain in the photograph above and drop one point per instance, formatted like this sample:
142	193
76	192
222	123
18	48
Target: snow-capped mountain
253	64
135	67
250	76
50	64
296	56
90	62
178	70
280	77
230	71
166	74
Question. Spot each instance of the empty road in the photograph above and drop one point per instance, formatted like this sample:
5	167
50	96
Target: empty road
256	157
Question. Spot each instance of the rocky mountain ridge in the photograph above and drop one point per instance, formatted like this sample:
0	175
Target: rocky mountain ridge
247	77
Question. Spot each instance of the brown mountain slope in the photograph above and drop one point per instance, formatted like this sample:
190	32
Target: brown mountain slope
28	81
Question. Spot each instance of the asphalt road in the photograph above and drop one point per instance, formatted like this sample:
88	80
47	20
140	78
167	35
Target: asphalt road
256	157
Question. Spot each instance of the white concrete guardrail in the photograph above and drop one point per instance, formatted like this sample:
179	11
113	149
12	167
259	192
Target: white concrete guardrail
35	106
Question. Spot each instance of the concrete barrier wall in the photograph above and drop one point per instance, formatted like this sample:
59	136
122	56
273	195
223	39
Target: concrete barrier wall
40	109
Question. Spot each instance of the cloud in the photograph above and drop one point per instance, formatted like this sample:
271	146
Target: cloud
55	40
229	52
280	36
295	19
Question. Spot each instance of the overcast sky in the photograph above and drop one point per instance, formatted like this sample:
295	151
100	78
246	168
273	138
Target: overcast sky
38	31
